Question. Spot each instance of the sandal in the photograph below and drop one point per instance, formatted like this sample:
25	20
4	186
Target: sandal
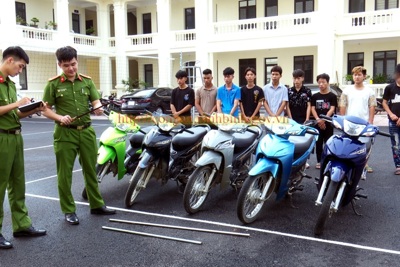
369	169
318	166
397	172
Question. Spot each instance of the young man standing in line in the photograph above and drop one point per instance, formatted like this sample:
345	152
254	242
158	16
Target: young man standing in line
228	95
358	100
276	94
252	97
12	173
299	106
182	99
391	104
206	95
70	93
323	103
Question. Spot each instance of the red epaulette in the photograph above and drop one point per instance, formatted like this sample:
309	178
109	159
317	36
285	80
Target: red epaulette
83	75
55	77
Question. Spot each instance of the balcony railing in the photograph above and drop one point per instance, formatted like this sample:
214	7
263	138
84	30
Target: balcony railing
185	36
266	24
87	40
366	21
36	34
142	39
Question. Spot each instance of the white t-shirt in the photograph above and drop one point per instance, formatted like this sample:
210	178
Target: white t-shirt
358	101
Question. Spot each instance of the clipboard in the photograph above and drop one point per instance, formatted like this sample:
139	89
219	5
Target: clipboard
31	106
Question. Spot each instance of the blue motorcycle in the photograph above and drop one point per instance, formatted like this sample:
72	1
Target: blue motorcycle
281	157
343	161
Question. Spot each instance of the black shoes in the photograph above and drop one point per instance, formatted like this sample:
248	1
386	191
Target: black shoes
102	211
29	232
71	218
4	244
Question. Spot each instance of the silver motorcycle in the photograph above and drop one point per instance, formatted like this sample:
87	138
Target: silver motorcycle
226	156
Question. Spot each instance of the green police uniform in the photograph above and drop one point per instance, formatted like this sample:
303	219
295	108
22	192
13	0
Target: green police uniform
72	98
12	174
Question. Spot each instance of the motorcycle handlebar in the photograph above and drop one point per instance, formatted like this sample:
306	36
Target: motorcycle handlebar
385	134
252	131
312	132
325	117
189	131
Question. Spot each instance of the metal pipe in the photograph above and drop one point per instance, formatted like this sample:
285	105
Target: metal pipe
152	235
321	191
181	227
339	196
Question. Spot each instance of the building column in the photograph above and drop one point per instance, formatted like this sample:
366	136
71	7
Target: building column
203	16
62	16
122	66
164	52
326	47
103	25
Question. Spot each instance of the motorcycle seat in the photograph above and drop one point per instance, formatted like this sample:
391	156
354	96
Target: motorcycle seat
301	144
136	139
185	139
243	140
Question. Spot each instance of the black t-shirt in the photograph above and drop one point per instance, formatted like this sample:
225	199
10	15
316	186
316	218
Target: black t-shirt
323	102
180	98
298	103
392	96
250	99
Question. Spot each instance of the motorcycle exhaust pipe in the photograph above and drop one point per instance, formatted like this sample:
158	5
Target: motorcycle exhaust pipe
318	202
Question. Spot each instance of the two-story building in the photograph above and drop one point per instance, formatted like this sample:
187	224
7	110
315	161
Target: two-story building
149	40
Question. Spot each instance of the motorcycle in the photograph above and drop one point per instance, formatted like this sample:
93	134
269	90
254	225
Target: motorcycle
168	153
113	156
343	161
281	159
225	159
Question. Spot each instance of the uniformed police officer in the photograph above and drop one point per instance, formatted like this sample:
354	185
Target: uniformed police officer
12	175
70	93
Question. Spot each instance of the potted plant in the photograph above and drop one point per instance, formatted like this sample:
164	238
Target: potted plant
380	78
20	21
90	31
52	25
35	21
348	78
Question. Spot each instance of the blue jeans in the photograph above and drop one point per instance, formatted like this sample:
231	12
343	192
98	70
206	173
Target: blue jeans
394	130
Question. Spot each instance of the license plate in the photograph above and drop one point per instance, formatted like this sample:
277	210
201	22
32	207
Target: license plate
131	103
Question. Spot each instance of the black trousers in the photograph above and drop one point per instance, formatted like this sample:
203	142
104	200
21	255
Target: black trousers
324	135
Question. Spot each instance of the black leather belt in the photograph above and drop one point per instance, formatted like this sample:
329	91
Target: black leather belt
13	131
77	127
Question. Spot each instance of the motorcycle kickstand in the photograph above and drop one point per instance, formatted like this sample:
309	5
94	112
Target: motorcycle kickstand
290	195
353	203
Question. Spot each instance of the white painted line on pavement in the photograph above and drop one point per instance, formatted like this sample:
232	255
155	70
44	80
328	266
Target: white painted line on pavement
331	242
46	178
38	147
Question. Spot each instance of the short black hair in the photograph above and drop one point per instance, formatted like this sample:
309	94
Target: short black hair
228	71
253	70
16	52
323	76
66	53
181	74
298	73
207	71
397	69
277	69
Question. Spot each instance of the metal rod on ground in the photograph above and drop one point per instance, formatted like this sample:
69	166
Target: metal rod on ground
152	235
181	227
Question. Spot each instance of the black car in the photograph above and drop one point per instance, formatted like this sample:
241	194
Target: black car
151	99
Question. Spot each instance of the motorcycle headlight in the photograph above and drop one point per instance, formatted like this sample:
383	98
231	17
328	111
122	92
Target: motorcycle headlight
166	126
123	126
353	129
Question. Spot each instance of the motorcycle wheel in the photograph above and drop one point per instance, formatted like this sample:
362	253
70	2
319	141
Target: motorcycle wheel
101	170
249	202
325	207
195	194
136	184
